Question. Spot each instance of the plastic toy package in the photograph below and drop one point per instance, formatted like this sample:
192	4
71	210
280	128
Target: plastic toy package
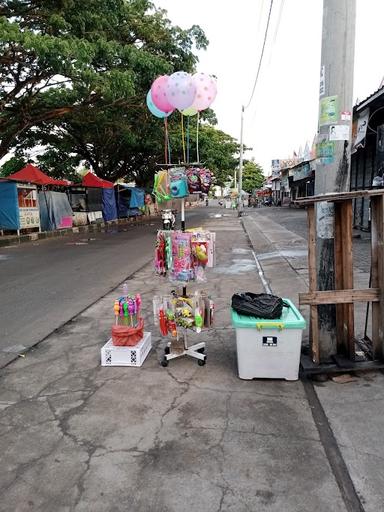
175	312
178	182
184	256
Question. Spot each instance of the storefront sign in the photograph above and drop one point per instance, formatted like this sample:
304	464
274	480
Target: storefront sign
304	171
361	130
322	81
29	218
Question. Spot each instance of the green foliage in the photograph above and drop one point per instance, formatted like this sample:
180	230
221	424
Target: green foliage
64	58
252	176
12	165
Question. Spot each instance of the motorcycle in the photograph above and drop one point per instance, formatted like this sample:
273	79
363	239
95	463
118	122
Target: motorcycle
169	219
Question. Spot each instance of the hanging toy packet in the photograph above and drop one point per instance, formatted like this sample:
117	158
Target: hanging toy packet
161	187
181	257
206	180
178	182
193	177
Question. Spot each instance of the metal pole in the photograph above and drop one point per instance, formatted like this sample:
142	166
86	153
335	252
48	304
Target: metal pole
240	202
333	154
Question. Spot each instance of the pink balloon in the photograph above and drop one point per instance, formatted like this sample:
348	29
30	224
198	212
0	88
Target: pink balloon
206	90
158	93
180	90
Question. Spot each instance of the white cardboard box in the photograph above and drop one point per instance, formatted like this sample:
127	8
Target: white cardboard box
126	356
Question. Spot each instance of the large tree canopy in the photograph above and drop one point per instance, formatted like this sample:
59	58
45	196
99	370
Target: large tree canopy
67	58
253	177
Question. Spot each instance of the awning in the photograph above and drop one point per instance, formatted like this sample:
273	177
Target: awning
91	180
32	174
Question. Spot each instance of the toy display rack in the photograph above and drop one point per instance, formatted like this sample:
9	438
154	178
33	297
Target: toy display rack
197	350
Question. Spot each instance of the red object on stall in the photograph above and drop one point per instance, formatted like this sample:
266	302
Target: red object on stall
32	174
91	180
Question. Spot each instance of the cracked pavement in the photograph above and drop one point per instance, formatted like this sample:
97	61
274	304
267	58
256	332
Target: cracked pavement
75	436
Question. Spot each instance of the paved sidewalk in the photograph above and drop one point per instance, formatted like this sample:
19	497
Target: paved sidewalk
354	410
79	437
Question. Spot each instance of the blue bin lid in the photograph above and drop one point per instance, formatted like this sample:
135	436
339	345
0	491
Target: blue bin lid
291	318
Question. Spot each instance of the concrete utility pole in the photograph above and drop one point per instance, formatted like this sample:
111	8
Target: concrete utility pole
240	201
333	145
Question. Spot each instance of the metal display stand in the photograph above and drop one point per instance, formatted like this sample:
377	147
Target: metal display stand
197	350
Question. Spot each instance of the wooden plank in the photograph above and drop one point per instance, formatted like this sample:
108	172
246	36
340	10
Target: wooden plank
347	257
339	282
377	262
339	196
339	296
314	316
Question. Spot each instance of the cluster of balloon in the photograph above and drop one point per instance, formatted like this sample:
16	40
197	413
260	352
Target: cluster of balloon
187	93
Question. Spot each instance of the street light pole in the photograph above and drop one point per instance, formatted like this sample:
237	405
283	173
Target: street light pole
240	202
333	151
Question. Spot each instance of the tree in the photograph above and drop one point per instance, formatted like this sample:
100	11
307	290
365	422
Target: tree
252	176
65	58
12	165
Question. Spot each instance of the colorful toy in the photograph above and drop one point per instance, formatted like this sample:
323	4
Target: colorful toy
116	309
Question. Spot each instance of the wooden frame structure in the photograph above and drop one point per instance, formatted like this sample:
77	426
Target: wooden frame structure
344	296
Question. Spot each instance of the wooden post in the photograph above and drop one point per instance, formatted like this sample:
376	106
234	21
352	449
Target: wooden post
377	262
344	277
314	318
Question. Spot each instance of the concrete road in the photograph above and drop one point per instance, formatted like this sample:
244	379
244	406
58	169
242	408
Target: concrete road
45	283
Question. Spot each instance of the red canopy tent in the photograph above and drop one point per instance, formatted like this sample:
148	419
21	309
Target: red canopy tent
32	174
91	180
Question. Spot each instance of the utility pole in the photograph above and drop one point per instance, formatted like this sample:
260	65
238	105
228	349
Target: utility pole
333	146
240	202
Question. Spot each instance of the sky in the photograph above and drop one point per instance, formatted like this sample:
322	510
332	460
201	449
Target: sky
283	113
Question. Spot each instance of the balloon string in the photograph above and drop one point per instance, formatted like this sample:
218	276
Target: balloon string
168	145
188	140
197	138
165	140
182	136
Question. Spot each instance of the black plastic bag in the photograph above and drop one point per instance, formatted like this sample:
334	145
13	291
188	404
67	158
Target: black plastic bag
260	305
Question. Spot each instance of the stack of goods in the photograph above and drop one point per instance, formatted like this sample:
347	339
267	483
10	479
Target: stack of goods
183	256
175	312
129	326
178	182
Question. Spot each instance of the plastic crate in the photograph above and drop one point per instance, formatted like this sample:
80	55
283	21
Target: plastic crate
269	349
126	356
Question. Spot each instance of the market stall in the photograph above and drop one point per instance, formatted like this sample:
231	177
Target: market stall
19	206
52	206
130	200
96	197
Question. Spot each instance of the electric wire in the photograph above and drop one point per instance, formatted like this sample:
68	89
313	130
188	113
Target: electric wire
261	55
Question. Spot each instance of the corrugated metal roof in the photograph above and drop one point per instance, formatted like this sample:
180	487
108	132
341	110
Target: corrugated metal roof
369	99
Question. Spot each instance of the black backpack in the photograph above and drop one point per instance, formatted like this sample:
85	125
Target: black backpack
260	305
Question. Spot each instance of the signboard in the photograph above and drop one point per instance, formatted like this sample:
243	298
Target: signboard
29	218
339	132
275	167
322	81
304	171
329	110
361	130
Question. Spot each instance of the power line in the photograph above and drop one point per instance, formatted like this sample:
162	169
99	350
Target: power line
261	56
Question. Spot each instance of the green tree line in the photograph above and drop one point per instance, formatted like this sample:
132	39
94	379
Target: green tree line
74	76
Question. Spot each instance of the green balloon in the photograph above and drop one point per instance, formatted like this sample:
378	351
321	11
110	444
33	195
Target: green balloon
190	111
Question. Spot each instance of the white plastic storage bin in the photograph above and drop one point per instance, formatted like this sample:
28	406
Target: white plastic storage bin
269	349
126	356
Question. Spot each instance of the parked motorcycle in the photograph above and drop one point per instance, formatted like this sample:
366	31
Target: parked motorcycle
169	219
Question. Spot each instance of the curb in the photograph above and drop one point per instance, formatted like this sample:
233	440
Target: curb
89	228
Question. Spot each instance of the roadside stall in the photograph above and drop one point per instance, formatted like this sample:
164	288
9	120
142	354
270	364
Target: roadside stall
19	207
98	197
53	206
130	200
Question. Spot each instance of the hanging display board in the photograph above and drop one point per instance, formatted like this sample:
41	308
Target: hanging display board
29	216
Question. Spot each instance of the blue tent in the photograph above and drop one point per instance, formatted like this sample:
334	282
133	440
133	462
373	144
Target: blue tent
130	200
